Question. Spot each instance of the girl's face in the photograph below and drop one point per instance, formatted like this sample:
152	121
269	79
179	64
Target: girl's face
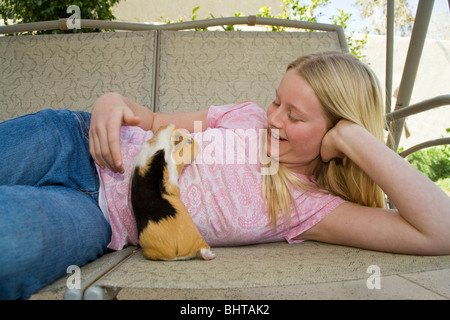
301	122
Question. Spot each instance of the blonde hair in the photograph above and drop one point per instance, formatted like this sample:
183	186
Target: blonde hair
347	89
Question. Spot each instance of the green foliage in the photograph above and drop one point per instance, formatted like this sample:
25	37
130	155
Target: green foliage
304	12
375	11
23	11
355	45
293	9
444	184
434	162
194	16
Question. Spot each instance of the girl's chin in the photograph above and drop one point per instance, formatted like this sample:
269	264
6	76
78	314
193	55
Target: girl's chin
272	150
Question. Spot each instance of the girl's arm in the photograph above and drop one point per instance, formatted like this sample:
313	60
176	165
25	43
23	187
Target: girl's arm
112	110
421	223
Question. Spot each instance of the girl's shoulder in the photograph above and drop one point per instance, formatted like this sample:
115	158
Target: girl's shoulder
237	116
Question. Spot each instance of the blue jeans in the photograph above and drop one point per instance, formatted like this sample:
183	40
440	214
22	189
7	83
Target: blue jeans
49	214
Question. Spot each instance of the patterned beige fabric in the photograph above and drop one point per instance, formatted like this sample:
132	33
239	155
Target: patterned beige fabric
199	69
72	71
196	69
265	271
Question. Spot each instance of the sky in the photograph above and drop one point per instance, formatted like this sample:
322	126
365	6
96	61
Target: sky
440	16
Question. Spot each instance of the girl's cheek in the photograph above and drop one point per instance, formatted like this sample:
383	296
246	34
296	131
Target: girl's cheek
291	135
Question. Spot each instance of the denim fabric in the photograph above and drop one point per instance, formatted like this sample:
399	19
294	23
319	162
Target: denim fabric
49	214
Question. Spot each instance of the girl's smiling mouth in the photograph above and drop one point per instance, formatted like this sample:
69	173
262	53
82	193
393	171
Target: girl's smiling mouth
273	134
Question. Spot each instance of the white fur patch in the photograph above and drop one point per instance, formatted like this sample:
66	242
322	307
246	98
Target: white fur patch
163	141
206	254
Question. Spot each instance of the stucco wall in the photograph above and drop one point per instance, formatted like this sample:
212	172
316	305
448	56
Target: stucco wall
152	10
433	79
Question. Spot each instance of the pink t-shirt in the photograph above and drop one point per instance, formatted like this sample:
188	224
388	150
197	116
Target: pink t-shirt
221	188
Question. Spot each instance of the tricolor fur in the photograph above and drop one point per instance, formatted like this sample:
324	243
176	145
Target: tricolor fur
166	230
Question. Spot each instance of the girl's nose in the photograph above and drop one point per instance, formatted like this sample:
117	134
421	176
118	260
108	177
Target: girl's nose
275	119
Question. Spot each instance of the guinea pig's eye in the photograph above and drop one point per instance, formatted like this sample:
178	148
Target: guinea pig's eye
189	141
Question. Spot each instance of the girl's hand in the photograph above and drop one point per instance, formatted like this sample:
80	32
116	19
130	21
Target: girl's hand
110	112
330	148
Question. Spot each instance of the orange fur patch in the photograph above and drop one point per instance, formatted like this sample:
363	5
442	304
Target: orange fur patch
173	237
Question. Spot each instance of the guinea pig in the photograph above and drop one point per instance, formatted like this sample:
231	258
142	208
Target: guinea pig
165	228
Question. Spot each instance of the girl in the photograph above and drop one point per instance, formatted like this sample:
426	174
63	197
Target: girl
324	127
334	166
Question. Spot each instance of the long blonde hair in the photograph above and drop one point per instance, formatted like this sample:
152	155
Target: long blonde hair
347	89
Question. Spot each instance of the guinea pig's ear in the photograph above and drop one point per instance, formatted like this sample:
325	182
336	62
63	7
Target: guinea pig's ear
177	138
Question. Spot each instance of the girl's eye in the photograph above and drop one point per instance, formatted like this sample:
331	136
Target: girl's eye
275	104
294	119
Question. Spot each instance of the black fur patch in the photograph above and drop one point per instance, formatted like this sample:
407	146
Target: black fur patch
146	194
